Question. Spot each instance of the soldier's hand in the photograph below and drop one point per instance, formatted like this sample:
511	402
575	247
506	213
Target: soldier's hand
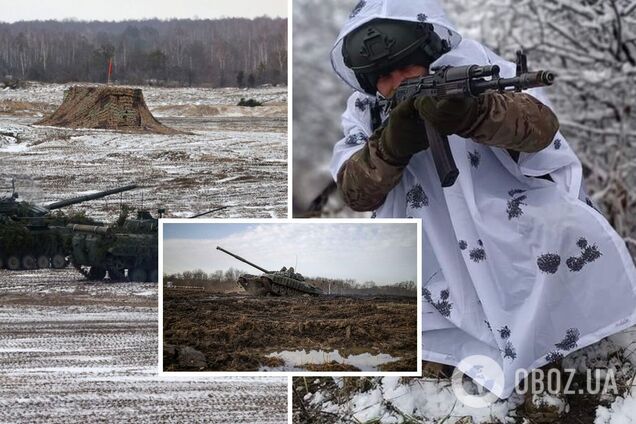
448	115
404	134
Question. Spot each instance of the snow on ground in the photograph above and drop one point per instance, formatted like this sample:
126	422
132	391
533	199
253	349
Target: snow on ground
393	400
622	411
294	360
429	400
234	156
38	92
72	351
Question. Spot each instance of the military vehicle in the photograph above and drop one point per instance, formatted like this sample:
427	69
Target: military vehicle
127	250
31	236
285	282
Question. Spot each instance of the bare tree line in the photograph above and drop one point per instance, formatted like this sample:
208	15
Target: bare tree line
227	280
223	52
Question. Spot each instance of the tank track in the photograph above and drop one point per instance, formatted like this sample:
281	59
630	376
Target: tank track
289	287
81	270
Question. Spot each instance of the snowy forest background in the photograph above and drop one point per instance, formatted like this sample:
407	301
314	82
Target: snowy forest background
178	52
590	44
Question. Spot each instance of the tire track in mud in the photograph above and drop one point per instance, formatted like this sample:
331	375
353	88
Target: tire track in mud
89	362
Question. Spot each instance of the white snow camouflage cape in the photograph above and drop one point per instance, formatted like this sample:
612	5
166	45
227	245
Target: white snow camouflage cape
520	269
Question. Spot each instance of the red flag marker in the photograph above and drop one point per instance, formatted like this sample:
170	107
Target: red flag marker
110	68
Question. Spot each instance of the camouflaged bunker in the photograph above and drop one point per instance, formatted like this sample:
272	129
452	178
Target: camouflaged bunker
32	237
125	251
285	282
105	107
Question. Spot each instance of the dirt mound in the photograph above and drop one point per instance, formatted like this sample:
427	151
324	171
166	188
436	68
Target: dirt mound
106	107
20	108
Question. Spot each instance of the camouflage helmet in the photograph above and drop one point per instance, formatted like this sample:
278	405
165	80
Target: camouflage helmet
380	46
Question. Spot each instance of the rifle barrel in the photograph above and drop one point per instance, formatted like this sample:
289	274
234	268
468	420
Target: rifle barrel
518	83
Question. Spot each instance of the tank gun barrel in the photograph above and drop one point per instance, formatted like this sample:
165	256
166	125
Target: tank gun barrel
208	212
243	260
85	198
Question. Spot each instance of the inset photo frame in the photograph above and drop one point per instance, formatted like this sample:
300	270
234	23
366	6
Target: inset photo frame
290	297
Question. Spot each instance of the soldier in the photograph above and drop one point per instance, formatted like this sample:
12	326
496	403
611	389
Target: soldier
513	252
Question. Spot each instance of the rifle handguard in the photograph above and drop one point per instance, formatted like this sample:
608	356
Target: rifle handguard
464	81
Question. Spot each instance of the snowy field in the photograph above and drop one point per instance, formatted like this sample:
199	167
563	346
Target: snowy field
234	156
432	400
72	351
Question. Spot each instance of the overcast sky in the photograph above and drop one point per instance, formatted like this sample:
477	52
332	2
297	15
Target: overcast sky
118	10
384	253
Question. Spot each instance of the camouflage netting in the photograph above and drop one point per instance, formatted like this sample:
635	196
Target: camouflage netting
105	107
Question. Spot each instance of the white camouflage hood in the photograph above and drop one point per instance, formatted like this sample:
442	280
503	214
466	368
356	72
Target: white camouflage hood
516	269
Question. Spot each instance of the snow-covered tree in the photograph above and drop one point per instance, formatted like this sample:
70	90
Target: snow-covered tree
591	45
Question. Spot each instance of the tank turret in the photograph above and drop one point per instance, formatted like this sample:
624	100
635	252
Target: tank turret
285	282
125	251
32	237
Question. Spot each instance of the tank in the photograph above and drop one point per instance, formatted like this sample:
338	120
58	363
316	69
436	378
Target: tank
285	282
34	236
124	251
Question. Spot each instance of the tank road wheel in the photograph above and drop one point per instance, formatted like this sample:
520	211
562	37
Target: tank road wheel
116	274
58	261
153	276
96	273
43	261
137	274
29	262
13	263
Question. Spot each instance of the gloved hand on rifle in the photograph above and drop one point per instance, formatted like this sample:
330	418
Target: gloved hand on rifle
510	120
403	136
452	115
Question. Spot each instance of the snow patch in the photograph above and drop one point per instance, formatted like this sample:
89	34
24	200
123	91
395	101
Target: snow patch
294	360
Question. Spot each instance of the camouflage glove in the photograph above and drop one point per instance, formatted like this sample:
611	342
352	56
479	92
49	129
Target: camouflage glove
403	136
449	115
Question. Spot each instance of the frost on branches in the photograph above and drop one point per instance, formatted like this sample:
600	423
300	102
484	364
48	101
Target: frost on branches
591	45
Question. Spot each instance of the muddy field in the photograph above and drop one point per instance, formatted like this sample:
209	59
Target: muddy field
233	156
222	332
74	351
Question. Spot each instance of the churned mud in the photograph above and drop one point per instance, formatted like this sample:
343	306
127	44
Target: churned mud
237	332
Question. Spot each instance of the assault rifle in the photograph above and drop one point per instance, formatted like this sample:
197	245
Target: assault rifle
463	81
